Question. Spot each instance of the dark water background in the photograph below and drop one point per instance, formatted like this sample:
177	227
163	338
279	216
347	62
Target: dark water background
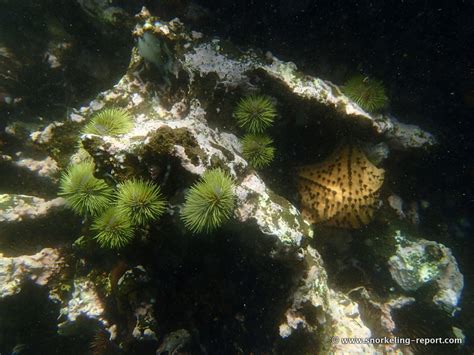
422	50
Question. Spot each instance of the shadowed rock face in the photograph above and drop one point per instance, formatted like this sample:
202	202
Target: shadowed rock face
52	56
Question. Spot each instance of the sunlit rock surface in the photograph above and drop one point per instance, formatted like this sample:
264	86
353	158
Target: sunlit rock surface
15	208
39	268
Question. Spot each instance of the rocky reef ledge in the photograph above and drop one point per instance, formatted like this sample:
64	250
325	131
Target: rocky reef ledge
180	89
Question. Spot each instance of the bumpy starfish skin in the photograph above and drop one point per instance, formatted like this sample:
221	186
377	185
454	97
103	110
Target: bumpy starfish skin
341	191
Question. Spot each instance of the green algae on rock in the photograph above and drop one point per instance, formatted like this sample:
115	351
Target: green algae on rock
163	140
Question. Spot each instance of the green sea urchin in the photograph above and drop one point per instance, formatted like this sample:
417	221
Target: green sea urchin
209	202
140	200
109	122
255	113
368	93
257	149
84	193
113	228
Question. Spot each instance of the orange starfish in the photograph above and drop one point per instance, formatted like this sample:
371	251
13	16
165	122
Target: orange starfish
341	191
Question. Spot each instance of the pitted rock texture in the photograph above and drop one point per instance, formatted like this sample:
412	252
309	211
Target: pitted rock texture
39	268
417	263
15	208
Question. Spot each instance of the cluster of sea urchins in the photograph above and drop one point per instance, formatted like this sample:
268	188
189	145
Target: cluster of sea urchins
117	212
255	114
210	202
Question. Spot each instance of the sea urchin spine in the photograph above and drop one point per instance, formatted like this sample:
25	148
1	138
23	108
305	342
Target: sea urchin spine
84	193
113	228
210	202
140	200
368	93
109	122
255	113
258	150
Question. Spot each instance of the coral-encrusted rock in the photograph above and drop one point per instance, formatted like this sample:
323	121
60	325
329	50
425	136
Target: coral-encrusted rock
202	59
16	208
380	314
338	316
421	262
400	135
44	168
103	12
180	132
84	302
132	288
39	268
231	68
274	215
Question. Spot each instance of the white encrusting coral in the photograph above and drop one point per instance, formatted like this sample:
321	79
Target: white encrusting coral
39	268
84	302
44	168
15	208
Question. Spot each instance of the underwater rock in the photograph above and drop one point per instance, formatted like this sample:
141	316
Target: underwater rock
335	313
44	168
274	215
197	147
179	131
208	58
174	342
380	314
230	67
422	262
84	303
132	287
103	12
324	92
4	158
396	203
46	134
347	324
174	130
16	208
23	130
404	136
39	268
